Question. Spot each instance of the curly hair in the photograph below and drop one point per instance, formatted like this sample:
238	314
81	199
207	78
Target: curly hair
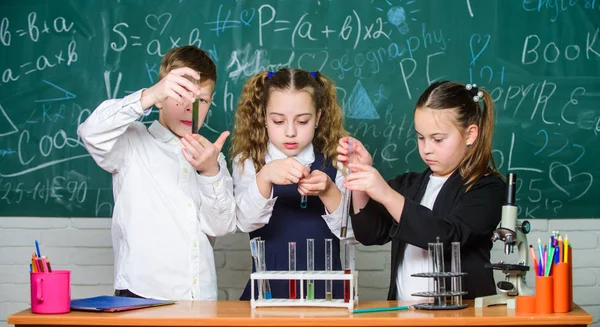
250	137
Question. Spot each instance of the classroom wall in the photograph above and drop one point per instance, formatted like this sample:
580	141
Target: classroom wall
83	245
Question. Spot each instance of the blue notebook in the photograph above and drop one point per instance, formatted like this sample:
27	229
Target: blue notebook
115	303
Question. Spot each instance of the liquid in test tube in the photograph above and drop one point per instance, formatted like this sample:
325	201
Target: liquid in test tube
292	267
195	113
328	267
303	202
310	266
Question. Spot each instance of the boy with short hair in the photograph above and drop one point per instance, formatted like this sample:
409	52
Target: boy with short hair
173	193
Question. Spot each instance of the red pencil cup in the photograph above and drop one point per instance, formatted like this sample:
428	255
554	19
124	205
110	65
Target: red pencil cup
560	272
50	291
544	294
525	304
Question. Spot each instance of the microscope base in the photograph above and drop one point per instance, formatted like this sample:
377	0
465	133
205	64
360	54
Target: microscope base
501	298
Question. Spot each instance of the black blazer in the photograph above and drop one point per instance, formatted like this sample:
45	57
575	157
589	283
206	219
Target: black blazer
457	216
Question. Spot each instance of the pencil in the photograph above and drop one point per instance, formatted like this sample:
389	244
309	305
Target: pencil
404	307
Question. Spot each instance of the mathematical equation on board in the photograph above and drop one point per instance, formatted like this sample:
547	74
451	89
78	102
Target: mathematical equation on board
381	60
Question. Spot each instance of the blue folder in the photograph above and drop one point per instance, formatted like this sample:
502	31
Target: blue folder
115	303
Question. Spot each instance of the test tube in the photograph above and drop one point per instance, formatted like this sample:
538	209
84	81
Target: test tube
257	267
431	256
310	266
328	267
346	195
292	268
195	114
438	267
263	267
348	266
303	201
456	268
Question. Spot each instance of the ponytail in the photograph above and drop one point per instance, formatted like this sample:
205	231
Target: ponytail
469	109
479	161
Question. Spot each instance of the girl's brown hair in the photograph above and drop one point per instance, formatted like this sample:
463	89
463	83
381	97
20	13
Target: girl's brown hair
250	137
455	96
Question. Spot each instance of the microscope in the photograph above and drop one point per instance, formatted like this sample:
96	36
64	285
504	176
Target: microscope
512	235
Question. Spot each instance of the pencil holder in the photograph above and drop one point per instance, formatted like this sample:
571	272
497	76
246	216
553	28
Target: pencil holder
50	291
544	294
525	304
560	272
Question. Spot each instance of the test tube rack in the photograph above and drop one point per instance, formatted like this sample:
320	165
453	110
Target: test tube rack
302	277
452	294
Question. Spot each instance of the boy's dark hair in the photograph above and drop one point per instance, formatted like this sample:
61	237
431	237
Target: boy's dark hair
192	57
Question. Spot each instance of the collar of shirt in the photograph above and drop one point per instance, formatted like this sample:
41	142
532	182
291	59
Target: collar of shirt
160	132
305	157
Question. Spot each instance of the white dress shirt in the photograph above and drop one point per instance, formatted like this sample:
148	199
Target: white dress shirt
254	211
166	215
415	259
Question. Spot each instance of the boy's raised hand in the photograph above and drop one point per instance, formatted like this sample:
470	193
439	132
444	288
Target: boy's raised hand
284	171
361	155
316	183
175	86
202	154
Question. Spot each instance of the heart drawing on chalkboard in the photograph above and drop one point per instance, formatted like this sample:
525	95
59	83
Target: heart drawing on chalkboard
478	42
570	177
247	15
156	22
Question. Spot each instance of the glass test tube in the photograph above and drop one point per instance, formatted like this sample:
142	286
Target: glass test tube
292	268
310	266
263	267
328	267
255	257
303	201
456	268
346	195
195	112
438	267
430	256
348	266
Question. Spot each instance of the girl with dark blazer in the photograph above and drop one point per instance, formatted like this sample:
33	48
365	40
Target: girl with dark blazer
458	198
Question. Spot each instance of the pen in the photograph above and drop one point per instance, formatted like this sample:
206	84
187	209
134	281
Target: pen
404	307
37	248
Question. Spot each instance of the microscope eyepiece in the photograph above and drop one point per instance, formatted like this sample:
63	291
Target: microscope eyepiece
511	188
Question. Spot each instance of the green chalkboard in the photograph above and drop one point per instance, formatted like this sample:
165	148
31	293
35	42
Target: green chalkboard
540	59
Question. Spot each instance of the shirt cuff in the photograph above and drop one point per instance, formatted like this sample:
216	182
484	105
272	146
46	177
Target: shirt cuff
258	199
134	101
211	183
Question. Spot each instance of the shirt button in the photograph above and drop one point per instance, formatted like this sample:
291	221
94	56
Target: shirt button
195	281
195	244
218	184
185	170
189	205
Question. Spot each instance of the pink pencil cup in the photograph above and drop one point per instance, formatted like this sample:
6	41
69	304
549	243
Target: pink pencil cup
51	291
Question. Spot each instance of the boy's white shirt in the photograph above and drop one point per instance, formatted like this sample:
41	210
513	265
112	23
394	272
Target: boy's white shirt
253	211
166	215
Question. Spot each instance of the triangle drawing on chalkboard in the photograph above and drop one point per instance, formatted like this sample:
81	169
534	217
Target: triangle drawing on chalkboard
359	105
6	125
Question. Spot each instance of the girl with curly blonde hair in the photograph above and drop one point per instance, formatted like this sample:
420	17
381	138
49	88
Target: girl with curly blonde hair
286	178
